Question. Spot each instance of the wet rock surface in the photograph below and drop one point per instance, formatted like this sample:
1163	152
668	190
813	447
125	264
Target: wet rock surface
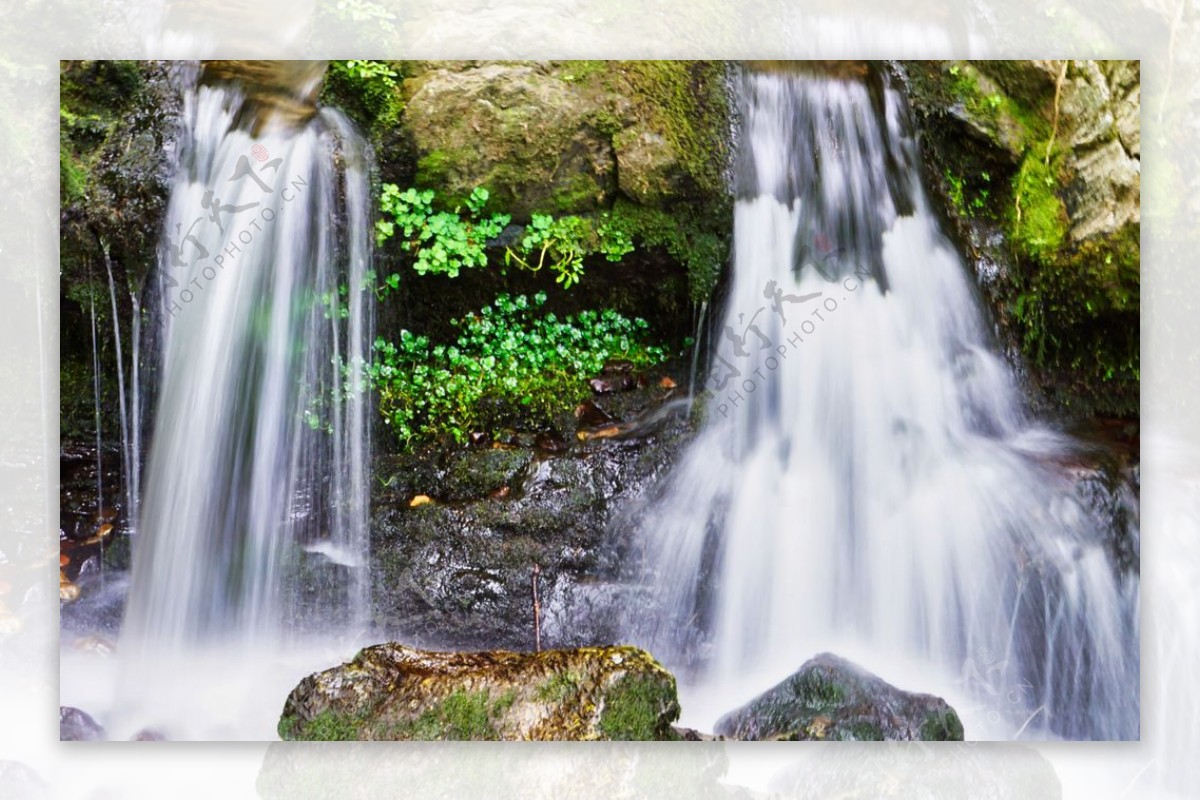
830	698
1037	167
94	546
75	724
456	536
394	692
1105	478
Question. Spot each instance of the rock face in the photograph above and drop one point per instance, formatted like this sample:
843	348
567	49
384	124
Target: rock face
1038	166
456	571
830	698
568	136
118	125
394	692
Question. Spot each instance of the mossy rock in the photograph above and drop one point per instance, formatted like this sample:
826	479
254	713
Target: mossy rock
1037	165
472	474
567	136
117	122
394	692
458	574
829	698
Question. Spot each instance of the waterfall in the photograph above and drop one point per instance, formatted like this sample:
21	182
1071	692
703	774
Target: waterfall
868	479
253	518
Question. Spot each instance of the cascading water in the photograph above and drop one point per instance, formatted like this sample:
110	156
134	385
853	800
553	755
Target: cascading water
257	461
868	480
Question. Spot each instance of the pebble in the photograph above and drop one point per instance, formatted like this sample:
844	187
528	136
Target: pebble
612	383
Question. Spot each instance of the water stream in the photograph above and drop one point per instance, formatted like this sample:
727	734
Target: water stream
869	481
253	522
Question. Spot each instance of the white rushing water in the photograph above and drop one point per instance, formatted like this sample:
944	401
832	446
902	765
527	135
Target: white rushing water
868	480
258	455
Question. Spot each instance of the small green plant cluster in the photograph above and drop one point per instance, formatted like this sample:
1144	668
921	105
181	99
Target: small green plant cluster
445	241
508	366
441	242
966	88
968	203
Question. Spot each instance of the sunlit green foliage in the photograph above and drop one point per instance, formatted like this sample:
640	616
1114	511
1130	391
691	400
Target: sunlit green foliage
509	363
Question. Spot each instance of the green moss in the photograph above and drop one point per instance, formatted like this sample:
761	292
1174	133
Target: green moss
695	240
474	473
328	725
1078	316
559	687
578	71
73	178
1038	224
461	716
467	716
504	703
818	691
687	102
1073	307
367	91
634	708
580	192
605	122
943	726
435	169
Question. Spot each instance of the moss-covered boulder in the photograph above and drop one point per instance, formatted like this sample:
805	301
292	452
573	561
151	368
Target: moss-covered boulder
829	698
394	692
1037	165
567	136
